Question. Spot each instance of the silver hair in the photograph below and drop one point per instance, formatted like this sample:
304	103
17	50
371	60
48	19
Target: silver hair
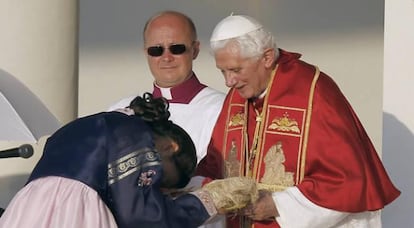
250	45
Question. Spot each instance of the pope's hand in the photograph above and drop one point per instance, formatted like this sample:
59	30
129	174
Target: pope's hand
264	209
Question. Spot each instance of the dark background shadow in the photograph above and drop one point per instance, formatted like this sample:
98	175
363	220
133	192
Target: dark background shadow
398	158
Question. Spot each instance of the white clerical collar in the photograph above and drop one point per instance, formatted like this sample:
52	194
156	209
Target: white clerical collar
182	93
261	96
166	92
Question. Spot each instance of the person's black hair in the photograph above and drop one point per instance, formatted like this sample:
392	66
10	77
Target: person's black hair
155	112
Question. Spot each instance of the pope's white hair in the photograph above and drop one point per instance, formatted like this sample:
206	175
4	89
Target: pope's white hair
249	45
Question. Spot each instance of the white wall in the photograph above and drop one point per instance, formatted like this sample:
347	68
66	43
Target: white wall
38	45
398	137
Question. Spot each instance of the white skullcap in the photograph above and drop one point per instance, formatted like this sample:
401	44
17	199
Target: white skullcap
234	26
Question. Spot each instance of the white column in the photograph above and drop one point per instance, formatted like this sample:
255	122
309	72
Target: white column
398	137
38	45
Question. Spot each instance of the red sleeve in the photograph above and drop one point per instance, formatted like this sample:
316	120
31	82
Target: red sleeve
343	171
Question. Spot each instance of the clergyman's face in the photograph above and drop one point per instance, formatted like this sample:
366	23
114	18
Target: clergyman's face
170	69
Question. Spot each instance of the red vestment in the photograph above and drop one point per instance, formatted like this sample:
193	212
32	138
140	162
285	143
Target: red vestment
308	136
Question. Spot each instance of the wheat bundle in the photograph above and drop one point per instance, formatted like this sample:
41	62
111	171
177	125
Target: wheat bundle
232	193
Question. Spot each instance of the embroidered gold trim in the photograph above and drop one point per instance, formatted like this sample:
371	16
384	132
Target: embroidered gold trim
284	124
307	125
237	120
129	164
263	114
275	175
232	164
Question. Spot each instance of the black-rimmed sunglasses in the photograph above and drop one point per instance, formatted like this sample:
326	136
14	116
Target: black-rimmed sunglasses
175	49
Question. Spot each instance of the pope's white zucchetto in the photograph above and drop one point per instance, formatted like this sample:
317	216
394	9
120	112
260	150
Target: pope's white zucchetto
234	26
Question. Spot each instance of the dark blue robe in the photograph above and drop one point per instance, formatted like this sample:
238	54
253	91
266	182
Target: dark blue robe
114	154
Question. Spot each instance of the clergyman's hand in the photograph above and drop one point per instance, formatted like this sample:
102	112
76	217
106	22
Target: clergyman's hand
264	209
